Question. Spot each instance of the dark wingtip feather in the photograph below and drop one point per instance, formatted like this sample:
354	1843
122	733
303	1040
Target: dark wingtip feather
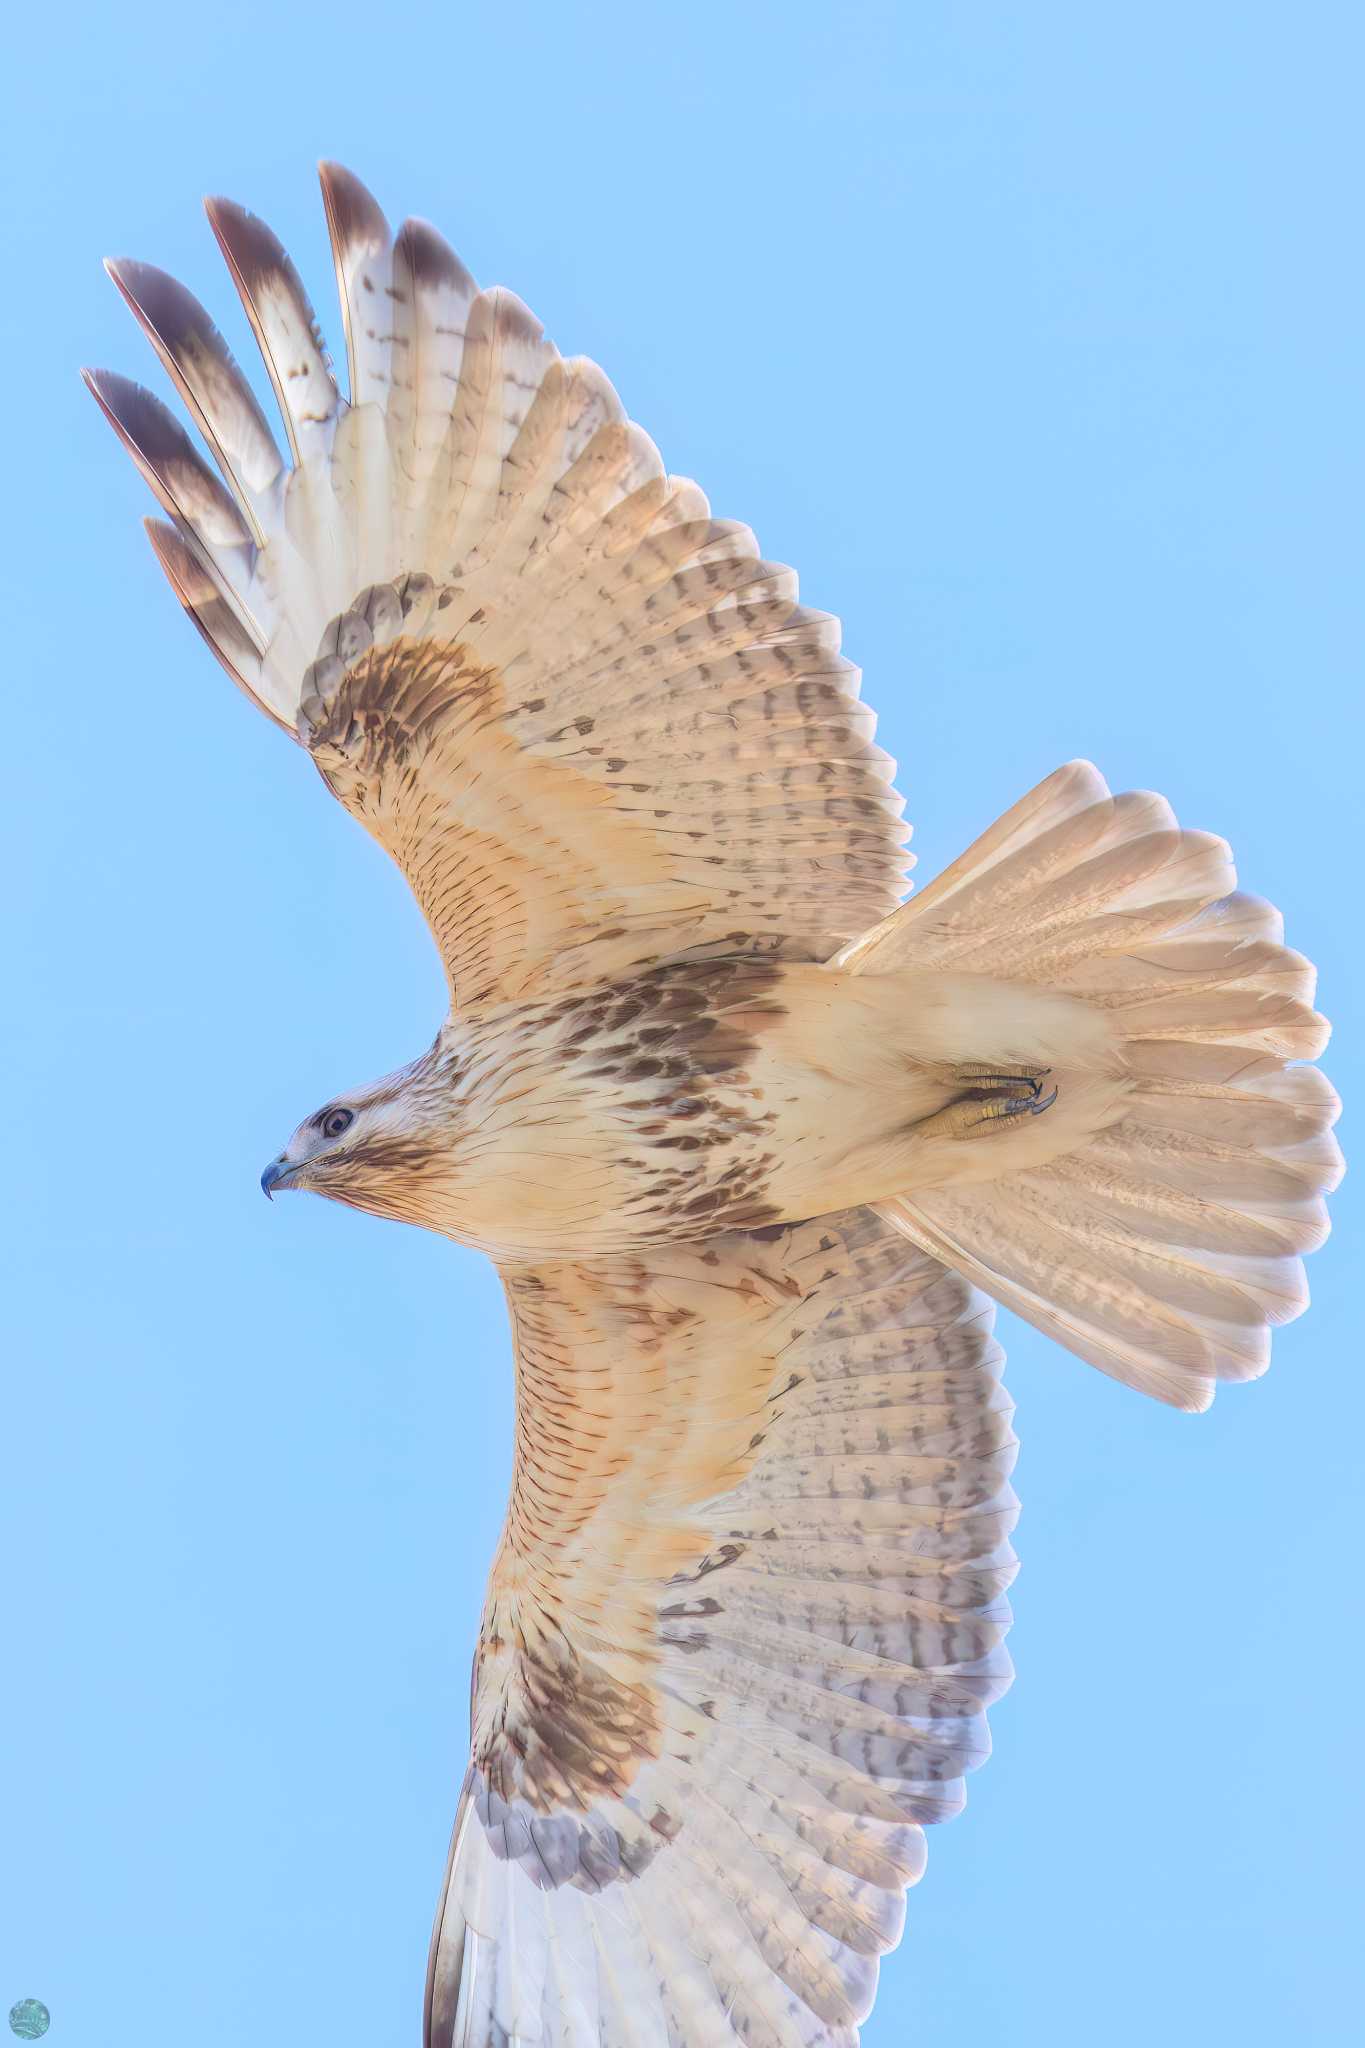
355	218
360	246
137	417
183	568
166	457
172	318
169	312
140	420
214	620
202	367
284	323
253	251
429	258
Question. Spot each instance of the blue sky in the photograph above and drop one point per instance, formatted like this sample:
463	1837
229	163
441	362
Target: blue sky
1034	338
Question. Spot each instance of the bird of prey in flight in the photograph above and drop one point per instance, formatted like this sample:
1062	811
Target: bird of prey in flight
755	1144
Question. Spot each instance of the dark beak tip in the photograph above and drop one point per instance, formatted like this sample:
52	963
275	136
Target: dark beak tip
271	1178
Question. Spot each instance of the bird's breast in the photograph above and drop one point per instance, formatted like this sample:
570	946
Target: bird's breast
616	1116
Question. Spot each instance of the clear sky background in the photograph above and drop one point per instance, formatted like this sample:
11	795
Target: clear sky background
1033	337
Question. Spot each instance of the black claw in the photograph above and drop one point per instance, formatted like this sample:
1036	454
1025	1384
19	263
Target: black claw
1033	1082
1037	1107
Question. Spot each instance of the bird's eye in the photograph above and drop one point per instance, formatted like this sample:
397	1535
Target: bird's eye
334	1121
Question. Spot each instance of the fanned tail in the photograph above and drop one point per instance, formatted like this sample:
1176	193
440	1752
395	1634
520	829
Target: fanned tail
1167	1246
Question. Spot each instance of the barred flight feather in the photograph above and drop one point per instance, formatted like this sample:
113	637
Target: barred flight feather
566	568
820	1667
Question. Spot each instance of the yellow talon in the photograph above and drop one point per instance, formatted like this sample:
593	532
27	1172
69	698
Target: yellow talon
997	1094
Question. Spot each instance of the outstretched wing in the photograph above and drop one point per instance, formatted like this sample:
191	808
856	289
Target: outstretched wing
746	1616
589	722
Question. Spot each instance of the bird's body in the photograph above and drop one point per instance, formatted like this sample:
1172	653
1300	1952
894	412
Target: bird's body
755	1143
698	1096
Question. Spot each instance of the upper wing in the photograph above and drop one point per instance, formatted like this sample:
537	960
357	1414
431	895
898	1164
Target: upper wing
591	725
745	1618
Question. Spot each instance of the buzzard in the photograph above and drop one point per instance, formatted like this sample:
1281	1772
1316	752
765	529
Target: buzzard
755	1144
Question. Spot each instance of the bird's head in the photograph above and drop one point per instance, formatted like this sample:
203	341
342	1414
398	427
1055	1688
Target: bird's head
374	1148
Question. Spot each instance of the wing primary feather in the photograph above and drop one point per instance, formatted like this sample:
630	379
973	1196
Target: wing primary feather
685	732
432	296
283	322
207	517
201	366
363	250
167	459
216	621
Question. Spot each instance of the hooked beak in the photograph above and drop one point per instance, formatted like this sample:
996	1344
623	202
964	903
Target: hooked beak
277	1171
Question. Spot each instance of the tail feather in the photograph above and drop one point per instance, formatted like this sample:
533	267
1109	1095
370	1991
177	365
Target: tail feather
1167	1245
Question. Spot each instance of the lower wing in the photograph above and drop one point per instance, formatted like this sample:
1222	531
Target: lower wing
741	1631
